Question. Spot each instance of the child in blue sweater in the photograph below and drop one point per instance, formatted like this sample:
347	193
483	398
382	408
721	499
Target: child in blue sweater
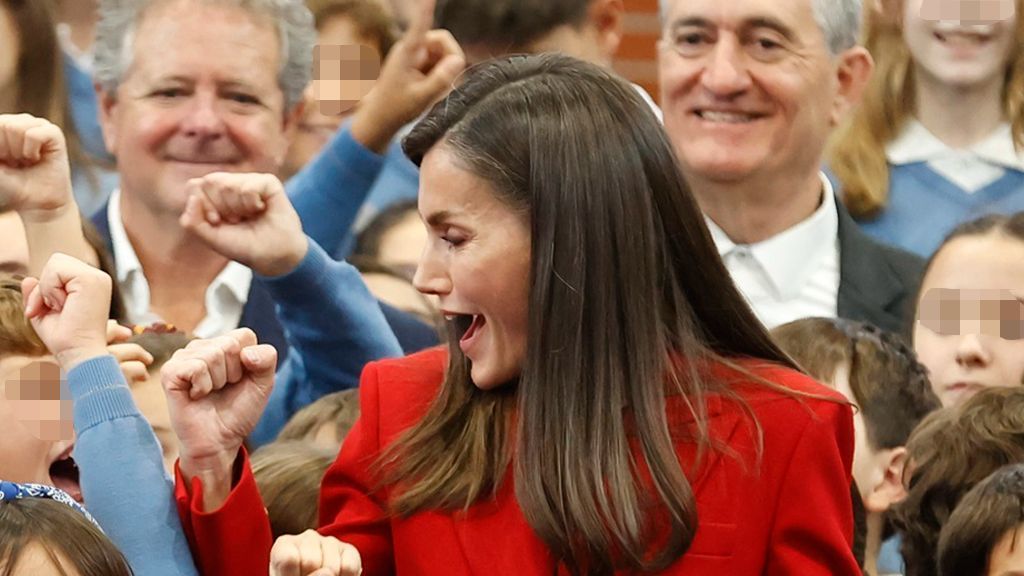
939	138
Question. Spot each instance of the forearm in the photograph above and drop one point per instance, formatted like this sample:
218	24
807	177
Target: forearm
334	326
374	129
122	474
332	320
330	190
234	538
57	230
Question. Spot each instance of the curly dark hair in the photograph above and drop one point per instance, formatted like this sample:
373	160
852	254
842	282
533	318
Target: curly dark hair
950	452
889	385
988	512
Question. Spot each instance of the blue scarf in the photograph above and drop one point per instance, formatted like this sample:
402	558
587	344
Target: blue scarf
16	491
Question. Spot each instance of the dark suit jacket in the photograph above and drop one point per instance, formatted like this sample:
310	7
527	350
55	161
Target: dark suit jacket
772	502
260	313
877	283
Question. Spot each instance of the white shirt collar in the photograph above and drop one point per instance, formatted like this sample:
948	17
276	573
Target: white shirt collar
916	144
785	257
225	297
650	101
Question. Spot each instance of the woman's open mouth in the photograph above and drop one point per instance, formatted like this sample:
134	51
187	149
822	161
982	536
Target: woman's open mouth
467	327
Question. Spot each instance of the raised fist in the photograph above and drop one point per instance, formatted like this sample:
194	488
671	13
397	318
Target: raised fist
247	218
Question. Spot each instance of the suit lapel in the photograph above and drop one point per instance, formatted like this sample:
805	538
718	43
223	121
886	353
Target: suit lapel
868	289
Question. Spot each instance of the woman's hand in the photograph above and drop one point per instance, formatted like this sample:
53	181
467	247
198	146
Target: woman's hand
217	389
310	554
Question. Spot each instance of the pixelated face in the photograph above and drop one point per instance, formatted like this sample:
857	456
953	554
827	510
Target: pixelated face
343	75
152	402
36	418
201	96
748	87
969	329
14	248
960	43
1007	556
477	262
400	247
9	53
341	60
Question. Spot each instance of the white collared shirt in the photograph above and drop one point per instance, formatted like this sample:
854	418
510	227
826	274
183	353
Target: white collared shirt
970	168
225	297
792	275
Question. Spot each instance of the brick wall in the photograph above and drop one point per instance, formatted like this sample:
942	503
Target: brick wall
636	58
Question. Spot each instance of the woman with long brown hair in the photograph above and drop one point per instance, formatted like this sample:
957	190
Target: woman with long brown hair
607	403
939	136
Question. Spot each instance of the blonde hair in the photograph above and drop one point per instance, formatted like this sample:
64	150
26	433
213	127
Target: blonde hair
288	476
16	334
857	152
338	409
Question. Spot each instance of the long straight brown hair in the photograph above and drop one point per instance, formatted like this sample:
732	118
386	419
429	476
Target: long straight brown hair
624	278
857	151
41	89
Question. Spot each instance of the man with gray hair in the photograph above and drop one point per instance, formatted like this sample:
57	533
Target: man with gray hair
751	90
192	87
186	88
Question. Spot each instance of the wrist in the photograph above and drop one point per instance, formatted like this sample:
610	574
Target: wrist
370	128
215	474
71	358
287	262
51	211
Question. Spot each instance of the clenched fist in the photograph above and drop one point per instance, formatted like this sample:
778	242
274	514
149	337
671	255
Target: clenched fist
247	218
310	554
67	306
34	170
216	390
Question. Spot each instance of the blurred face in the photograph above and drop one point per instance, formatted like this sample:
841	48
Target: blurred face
35	561
967	352
37	435
149	397
477	262
315	128
401	246
14	248
9	54
200	96
1007	558
401	294
953	52
749	87
583	42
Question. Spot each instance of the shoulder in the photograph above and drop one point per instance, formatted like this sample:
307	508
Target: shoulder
420	368
398	391
854	241
783	397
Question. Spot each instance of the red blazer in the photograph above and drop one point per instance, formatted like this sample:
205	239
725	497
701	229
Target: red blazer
789	514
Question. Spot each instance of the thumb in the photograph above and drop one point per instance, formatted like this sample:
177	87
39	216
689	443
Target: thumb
261	362
440	79
32	297
194	219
